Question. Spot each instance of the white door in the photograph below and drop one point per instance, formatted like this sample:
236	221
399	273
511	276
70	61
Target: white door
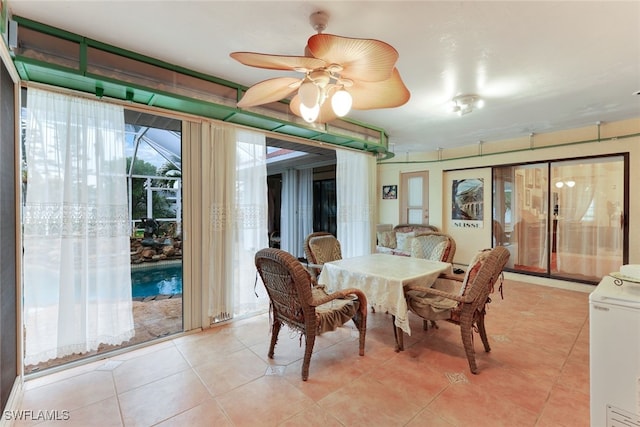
414	197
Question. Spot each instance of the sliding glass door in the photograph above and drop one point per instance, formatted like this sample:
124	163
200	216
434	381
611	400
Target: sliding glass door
562	219
588	217
102	221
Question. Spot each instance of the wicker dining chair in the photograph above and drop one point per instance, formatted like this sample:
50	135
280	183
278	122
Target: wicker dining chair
321	247
465	308
435	246
308	309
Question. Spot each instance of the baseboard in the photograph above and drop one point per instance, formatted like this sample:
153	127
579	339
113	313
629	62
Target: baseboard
13	404
545	281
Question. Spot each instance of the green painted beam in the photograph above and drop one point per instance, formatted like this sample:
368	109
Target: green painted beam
80	79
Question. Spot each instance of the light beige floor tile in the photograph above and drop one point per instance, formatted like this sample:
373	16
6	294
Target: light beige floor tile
206	414
428	418
226	372
148	367
462	404
368	402
215	341
566	408
34	381
314	416
71	393
105	413
162	399
272	401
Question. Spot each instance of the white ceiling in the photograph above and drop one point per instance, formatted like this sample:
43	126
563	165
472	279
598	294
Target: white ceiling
541	66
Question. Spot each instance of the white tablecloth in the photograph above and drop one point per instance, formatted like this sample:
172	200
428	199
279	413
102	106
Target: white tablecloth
382	278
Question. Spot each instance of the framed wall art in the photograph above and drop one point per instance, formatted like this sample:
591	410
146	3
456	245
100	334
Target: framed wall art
389	191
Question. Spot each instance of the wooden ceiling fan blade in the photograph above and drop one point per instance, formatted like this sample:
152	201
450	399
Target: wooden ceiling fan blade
385	94
362	59
267	91
277	62
326	111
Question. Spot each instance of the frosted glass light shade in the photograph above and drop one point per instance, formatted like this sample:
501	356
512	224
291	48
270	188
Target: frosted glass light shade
309	114
341	102
309	94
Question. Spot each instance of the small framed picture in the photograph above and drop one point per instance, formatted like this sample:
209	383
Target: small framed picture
389	191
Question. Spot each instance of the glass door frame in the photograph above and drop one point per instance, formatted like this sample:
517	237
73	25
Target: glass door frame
404	195
549	213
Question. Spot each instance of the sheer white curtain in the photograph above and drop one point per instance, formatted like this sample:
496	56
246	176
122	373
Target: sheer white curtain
589	243
355	189
250	220
219	175
77	271
234	163
296	211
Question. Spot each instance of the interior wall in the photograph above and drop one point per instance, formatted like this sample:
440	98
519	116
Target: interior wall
457	230
614	139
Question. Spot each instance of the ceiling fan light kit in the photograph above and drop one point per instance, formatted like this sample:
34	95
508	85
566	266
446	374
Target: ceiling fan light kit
352	73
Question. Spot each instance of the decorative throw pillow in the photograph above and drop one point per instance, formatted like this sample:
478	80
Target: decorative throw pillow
407	244
387	239
402	239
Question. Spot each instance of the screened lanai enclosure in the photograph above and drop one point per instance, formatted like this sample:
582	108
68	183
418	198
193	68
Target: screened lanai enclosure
154	172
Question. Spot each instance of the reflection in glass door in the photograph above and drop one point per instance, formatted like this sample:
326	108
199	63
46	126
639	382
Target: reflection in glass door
520	215
562	219
588	212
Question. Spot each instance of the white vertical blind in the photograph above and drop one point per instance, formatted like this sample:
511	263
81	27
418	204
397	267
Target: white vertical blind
296	211
305	208
288	211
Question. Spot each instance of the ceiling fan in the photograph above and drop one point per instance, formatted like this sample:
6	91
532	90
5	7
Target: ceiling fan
349	72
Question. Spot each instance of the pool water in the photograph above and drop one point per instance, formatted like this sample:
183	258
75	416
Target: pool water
165	280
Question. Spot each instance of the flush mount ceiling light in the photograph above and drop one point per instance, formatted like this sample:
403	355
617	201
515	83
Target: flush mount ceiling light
465	104
347	72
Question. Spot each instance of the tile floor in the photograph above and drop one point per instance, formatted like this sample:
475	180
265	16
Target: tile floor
537	374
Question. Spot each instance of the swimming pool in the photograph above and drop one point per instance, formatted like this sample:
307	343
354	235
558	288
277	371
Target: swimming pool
156	280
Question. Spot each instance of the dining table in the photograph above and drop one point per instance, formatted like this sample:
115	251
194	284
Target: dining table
382	277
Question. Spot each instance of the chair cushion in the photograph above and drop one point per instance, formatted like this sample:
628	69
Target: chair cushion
335	313
387	239
430	307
